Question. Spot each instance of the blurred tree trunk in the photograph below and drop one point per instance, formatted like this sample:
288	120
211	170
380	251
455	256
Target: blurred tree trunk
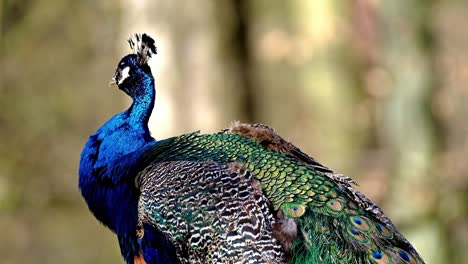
202	68
242	54
406	122
451	108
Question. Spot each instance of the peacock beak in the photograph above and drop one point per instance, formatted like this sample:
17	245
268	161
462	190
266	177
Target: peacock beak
115	78
112	81
120	76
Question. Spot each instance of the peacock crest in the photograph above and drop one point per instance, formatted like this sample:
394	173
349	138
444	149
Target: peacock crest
143	46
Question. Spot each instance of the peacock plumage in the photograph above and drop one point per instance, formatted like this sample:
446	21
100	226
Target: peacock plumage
243	195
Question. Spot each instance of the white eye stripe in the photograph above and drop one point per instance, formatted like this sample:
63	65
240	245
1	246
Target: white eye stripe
125	74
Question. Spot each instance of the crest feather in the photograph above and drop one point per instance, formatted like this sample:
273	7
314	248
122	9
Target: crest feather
143	46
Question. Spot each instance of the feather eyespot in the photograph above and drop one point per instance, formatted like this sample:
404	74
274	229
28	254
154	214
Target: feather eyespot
335	205
358	236
361	223
384	231
405	256
293	210
379	257
296	211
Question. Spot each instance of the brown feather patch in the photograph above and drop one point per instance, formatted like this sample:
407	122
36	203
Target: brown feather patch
285	231
264	135
269	139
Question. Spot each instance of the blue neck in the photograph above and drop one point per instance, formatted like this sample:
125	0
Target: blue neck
143	104
105	161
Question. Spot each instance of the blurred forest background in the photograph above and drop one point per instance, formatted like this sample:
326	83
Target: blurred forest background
375	89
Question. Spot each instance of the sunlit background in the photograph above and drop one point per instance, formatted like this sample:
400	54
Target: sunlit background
375	89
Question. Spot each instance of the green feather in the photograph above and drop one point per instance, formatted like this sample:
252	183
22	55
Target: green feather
336	224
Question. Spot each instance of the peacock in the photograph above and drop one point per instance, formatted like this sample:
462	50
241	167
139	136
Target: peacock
242	195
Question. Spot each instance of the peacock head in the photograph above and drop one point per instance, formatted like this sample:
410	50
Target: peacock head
133	74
